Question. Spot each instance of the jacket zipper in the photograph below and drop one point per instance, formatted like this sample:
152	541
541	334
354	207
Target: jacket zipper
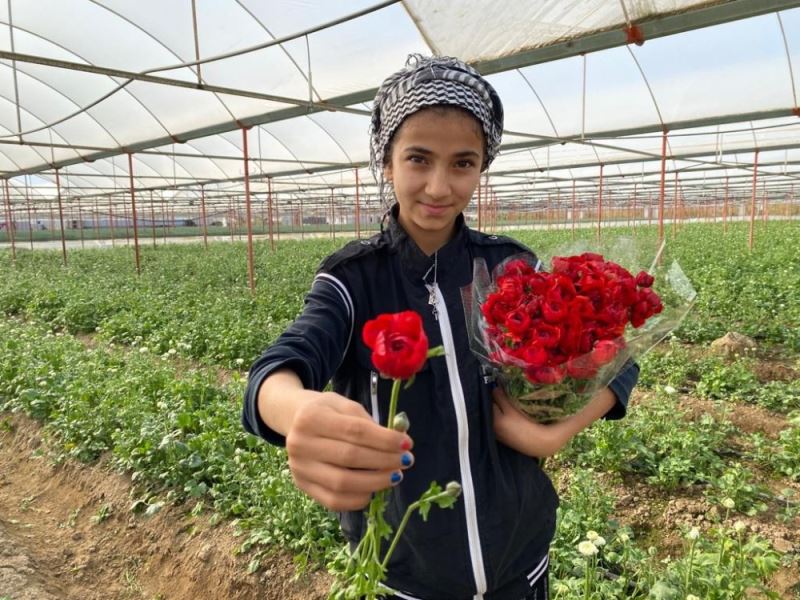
473	535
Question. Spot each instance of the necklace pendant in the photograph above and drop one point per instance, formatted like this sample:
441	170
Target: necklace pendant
432	302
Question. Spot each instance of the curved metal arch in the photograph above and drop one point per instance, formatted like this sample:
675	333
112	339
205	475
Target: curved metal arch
32	115
119	87
281	46
162	44
85	110
66	97
788	59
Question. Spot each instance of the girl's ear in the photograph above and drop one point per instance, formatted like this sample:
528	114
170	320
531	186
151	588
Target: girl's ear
387	173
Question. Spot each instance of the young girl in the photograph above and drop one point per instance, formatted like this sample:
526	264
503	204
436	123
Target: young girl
436	125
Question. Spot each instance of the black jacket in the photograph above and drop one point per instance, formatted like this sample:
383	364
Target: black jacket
500	529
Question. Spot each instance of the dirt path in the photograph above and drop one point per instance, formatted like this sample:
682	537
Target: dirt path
66	532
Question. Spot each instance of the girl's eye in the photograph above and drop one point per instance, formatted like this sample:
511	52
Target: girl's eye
465	164
416	158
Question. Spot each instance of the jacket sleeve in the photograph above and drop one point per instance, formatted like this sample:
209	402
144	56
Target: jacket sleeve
622	386
313	347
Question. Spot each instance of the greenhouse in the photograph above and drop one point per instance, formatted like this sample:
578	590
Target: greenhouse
174	176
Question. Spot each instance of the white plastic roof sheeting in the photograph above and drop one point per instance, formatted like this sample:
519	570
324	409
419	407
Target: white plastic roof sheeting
722	91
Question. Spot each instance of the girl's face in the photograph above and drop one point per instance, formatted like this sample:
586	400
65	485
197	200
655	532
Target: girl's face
435	166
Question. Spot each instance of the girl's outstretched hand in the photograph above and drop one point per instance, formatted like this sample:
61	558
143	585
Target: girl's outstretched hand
339	456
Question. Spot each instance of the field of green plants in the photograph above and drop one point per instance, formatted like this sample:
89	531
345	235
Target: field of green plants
695	494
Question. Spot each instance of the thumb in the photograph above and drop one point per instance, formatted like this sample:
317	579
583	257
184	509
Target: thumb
500	398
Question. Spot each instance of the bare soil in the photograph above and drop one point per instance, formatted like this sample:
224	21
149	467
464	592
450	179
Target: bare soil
66	532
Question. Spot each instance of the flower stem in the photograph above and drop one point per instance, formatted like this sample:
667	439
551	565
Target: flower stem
409	511
393	401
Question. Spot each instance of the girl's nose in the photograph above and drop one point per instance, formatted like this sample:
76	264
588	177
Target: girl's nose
438	183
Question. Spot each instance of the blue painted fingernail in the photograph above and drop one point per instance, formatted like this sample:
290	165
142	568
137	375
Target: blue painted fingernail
396	477
407	459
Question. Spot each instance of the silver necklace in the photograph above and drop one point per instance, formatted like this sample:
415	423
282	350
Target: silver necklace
432	287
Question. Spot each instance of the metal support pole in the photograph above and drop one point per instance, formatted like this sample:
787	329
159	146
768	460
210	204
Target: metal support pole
661	189
164	220
230	217
358	209
52	221
203	209
10	222
152	218
250	259
333	218
479	204
600	204
269	214
60	217
133	212
753	201
725	208
302	227
80	222
675	209
573	209
277	205
111	220
30	220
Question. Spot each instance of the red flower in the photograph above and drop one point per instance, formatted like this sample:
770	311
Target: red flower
518	267
581	367
644	279
518	321
554	309
546	335
510	288
535	355
398	343
545	374
604	352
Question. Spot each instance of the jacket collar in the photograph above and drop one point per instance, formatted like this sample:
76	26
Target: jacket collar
414	261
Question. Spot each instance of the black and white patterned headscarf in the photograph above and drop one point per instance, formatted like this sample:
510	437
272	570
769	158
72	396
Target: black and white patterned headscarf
430	81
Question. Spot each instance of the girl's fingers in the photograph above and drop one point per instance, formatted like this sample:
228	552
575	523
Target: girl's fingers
348	455
334	486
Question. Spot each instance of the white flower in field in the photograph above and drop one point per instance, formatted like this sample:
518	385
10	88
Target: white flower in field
592	535
739	526
693	534
144	350
599	541
623	537
172	352
587	548
692	597
729	503
240	361
41	382
670	390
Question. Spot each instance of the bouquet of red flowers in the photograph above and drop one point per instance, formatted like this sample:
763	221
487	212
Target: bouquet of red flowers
556	337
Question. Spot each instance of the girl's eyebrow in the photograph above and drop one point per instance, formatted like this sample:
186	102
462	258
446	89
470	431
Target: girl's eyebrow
426	151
